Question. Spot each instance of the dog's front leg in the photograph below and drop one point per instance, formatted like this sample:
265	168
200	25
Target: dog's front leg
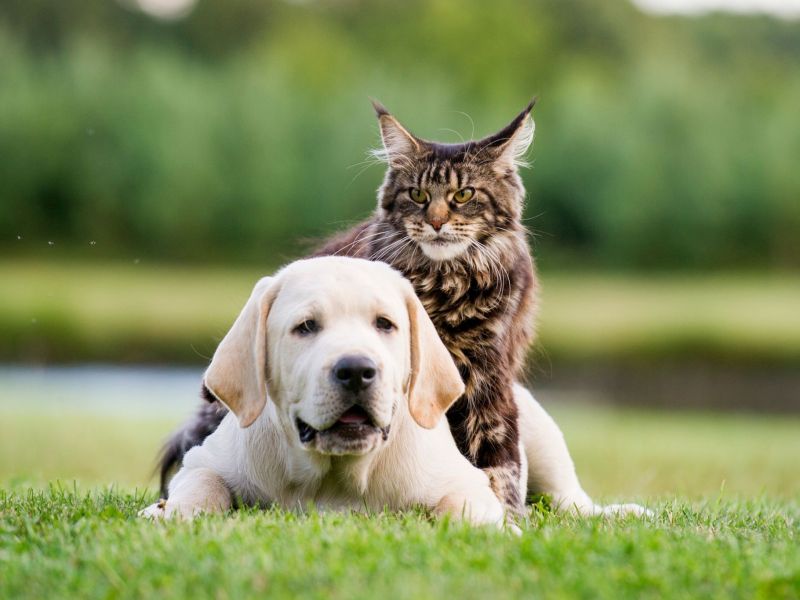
476	506
192	492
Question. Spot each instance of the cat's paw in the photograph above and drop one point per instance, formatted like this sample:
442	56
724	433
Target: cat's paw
622	510
579	503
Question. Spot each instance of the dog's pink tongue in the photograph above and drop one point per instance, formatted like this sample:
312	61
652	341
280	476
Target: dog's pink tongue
354	416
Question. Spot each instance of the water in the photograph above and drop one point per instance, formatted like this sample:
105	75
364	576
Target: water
101	389
173	392
170	392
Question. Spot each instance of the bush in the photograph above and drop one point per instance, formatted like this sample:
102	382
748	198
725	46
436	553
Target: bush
660	142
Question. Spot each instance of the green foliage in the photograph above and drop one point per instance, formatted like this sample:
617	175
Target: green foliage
62	543
241	131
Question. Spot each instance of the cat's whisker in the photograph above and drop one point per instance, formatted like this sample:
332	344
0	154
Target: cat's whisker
374	237
414	254
360	173
379	239
395	250
389	248
395	161
460	137
532	218
472	123
369	162
380	254
399	251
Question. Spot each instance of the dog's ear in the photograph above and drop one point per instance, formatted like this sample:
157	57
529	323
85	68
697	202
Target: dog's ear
237	373
435	382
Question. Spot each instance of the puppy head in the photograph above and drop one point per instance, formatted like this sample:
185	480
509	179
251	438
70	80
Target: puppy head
341	344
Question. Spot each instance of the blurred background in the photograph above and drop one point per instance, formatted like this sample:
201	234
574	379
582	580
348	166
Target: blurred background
158	156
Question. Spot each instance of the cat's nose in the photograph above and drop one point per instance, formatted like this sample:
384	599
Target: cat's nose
437	224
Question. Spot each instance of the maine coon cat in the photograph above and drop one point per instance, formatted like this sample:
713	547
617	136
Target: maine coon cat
449	218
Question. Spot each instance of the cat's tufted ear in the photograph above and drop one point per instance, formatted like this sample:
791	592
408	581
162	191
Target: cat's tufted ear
508	146
399	144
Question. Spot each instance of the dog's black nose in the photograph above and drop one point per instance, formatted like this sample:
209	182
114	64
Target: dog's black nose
355	373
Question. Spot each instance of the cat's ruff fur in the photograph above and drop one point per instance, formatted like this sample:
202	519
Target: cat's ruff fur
270	376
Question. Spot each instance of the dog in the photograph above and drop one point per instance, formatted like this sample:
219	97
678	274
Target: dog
337	384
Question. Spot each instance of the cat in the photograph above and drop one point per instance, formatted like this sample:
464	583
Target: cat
449	218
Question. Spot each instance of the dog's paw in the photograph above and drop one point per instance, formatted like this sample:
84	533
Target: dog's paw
512	528
154	511
164	509
477	508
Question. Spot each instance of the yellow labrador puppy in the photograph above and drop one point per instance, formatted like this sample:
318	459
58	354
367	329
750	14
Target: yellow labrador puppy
337	383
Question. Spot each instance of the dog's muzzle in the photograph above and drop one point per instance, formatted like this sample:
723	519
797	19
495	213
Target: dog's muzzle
355	423
355	431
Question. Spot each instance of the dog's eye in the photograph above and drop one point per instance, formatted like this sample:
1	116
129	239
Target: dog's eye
307	327
384	324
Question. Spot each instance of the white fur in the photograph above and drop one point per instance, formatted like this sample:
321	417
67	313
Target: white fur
445	251
266	462
515	151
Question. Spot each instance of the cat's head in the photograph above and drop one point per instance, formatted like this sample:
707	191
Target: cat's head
449	198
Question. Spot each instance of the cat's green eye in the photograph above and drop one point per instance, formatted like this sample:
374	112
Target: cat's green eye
464	194
417	195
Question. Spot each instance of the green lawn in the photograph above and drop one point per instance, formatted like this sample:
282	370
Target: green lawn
60	544
68	311
724	488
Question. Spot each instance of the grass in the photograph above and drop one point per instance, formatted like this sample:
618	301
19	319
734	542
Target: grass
724	488
61	543
73	311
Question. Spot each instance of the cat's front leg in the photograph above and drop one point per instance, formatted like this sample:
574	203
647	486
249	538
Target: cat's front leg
486	430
